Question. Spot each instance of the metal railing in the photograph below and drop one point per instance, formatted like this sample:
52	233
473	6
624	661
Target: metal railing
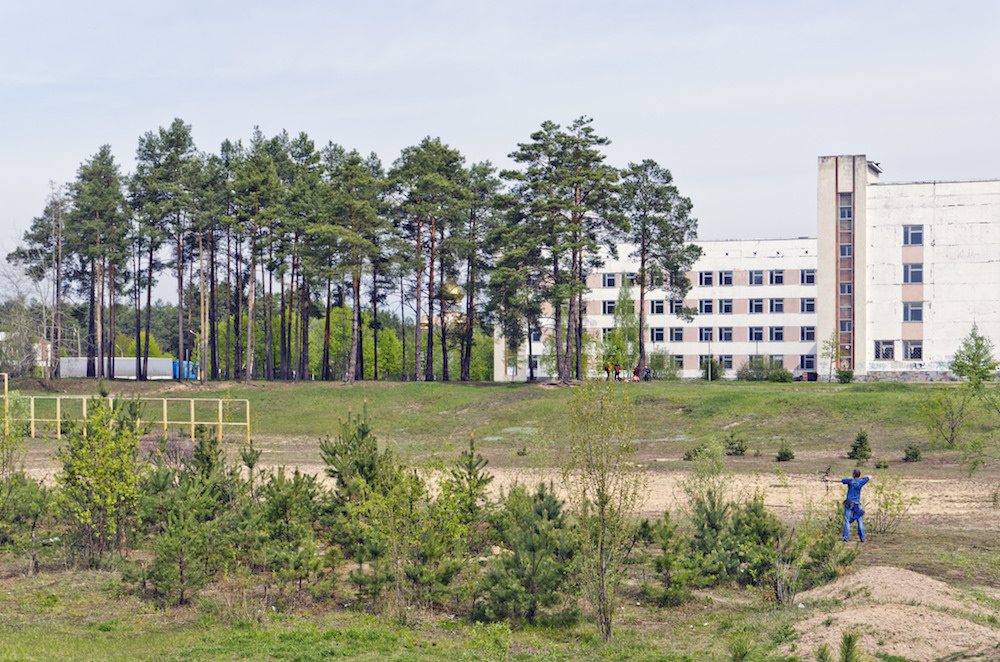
51	411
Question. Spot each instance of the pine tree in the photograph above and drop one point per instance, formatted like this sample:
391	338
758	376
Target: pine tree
662	231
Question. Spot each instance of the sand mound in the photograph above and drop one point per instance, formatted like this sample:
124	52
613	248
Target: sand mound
898	612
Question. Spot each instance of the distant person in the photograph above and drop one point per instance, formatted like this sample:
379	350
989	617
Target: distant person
635	373
607	371
618	372
852	505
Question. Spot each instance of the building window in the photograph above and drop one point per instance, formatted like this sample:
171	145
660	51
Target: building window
884	350
726	360
655	307
656	334
608	307
677	361
913	311
913	273
913	235
777	305
845	326
846	204
778	360
756	333
725	334
807	277
807	362
605	332
777	334
534	363
609	280
726	306
536	335
807	333
913	350
705	334
725	278
757	277
705	306
676	334
845	250
705	278
807	305
675	306
845	289
629	279
777	277
756	305
656	279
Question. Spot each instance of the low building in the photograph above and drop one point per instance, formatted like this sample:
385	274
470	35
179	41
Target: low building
751	297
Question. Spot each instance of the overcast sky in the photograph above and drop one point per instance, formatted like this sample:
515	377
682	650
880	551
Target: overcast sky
737	99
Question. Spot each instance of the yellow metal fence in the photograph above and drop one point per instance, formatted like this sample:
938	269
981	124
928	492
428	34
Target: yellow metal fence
46	413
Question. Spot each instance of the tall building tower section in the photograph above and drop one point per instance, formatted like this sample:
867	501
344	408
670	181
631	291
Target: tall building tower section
842	205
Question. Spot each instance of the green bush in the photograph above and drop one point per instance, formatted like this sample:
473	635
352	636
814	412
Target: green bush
713	365
861	450
912	454
662	366
845	376
781	375
735	445
785	453
882	464
692	454
757	369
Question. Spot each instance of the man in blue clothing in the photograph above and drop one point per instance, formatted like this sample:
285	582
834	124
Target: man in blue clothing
852	505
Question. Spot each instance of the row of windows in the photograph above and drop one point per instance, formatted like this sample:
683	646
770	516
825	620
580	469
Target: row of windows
725	334
806	361
724	307
756	277
725	278
885	350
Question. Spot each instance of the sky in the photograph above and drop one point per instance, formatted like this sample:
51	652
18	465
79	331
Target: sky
736	98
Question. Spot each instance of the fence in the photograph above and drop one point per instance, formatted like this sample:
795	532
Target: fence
48	412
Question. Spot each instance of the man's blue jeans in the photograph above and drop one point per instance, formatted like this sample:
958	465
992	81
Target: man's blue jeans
848	512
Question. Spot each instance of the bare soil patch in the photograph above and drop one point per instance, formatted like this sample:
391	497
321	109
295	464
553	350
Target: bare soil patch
899	612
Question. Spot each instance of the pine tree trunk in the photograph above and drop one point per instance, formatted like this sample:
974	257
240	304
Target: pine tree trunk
326	332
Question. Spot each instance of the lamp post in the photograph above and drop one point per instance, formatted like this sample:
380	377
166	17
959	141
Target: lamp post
756	349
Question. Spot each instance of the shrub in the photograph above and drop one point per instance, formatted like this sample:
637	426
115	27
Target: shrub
781	375
845	376
882	464
662	366
889	507
757	369
861	450
692	454
735	445
912	454
785	453
713	365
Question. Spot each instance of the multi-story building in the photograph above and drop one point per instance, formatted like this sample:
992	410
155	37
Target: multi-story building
751	297
905	269
897	276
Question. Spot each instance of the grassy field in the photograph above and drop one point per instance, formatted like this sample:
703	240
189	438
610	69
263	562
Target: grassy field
72	615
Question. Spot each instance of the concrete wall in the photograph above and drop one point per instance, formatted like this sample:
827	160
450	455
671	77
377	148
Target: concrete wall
124	367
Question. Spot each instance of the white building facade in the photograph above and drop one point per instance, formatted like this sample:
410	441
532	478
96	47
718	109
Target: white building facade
897	276
752	297
905	269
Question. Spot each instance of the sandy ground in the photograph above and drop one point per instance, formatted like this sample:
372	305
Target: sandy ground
901	613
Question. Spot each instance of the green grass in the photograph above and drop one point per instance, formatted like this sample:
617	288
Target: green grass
82	616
